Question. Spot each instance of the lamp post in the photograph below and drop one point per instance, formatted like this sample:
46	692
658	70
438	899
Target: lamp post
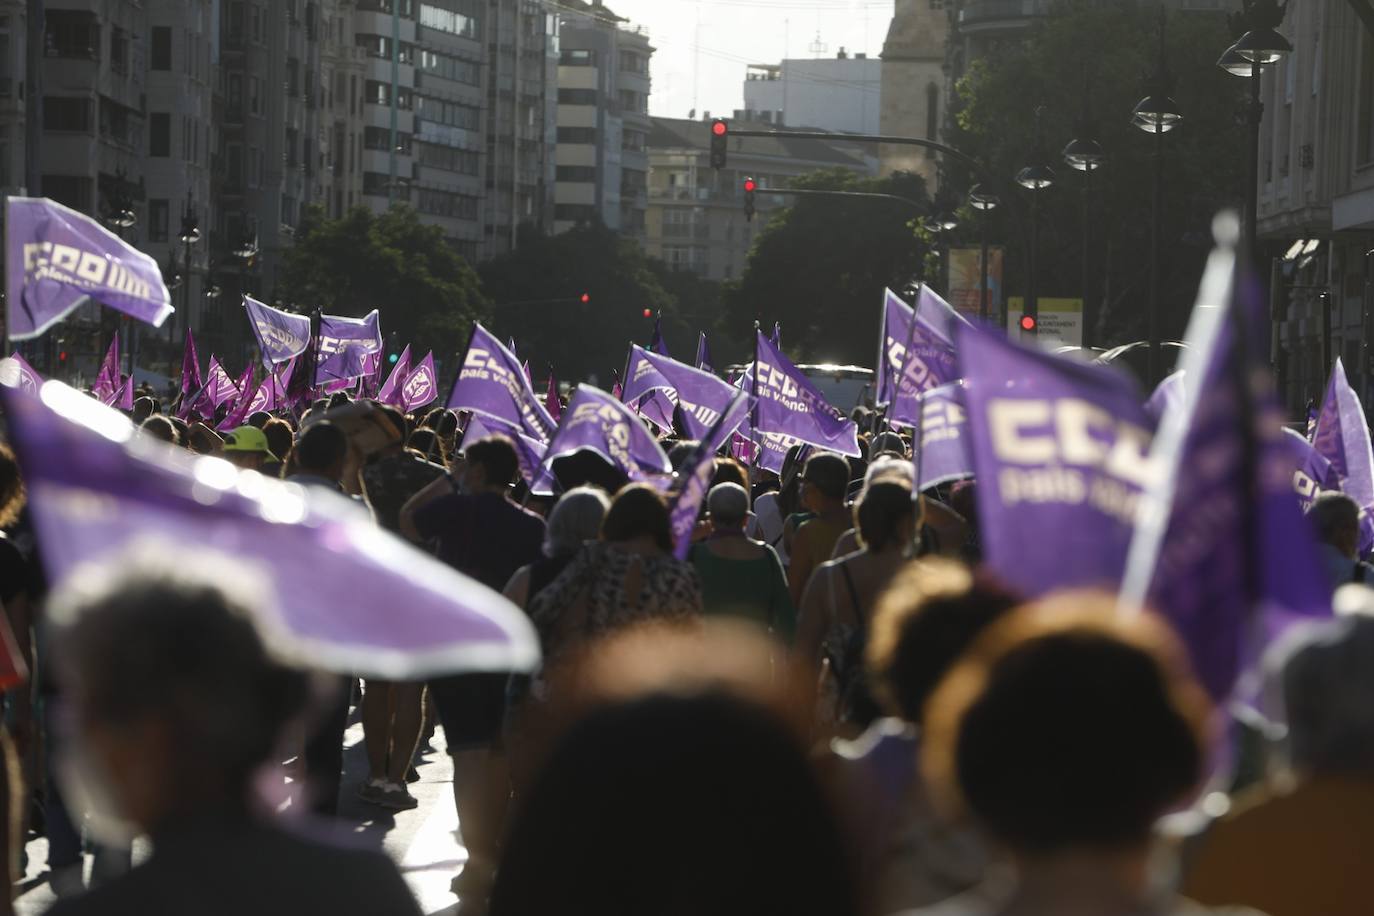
189	235
984	202
1156	114
1035	177
1085	154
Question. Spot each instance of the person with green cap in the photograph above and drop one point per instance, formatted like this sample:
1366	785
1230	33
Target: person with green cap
247	448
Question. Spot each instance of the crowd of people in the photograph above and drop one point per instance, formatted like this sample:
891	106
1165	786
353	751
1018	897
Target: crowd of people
826	708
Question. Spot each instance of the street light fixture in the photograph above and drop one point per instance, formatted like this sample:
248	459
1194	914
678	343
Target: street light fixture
1035	177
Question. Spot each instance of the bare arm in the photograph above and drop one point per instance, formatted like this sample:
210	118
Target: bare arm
800	568
813	617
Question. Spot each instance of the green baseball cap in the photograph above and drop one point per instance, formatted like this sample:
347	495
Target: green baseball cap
246	439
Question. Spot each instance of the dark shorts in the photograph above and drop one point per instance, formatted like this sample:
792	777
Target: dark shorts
471	708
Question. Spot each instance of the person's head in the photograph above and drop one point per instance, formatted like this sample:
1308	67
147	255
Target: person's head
825	480
638	513
631	796
575	520
491	465
1326	672
427	443
339	398
885	516
728	470
247	448
1068	727
159	427
585	467
144	408
177	700
888	443
13	494
259	418
182	429
280	437
1335	520
728	504
930	612
680	451
322	449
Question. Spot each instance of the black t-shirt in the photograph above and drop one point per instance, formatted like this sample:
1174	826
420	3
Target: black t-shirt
483	535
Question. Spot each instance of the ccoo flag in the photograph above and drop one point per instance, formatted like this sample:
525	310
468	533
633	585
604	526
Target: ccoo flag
1342	438
19	375
190	367
700	396
596	421
107	380
422	385
492	383
345	345
529	452
1311	472
942	452
100	490
789	405
280	335
1061	454
1221	549
699	468
927	358
56	259
390	392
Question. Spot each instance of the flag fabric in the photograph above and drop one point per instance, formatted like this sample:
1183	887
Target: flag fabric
1221	549
238	413
776	338
107	379
528	451
1312	473
421	386
551	402
656	407
99	491
617	390
1311	428
896	333
1167	395
56	259
371	378
704	361
698	470
190	366
123	397
942	450
926	361
658	344
344	345
220	387
19	375
491	382
766	450
1342	438
789	405
1060	451
280	335
596	421
700	397
391	390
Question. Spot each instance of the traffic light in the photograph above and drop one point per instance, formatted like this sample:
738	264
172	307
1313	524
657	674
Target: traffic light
392	358
720	137
750	186
62	356
585	298
648	313
1028	323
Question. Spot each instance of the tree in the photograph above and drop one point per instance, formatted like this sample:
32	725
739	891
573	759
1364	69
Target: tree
427	293
537	290
1108	51
820	267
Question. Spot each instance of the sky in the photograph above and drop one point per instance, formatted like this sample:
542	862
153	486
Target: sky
702	65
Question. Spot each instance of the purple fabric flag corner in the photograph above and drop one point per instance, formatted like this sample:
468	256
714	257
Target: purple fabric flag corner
123	396
422	385
918	354
345	344
790	405
551	402
57	258
943	453
107	380
390	392
658	344
100	491
280	335
1342	438
491	382
698	469
1059	447
704	361
1312	473
1221	549
617	390
699	396
19	375
594	420
190	367
239	412
892	343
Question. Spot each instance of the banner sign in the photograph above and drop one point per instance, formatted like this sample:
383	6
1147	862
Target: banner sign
280	335
345	344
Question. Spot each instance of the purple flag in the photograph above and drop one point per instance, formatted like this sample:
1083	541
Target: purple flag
372	375
529	451
594	420
1312	473
551	402
123	396
345	344
767	450
657	408
925	360
1342	438
700	396
789	405
19	375
943	454
1168	395
98	489
390	392
657	343
1311	429
190	366
1221	549
239	412
617	391
422	386
492	383
107	380
280	335
218	384
698	470
704	361
525	368
1060	454
56	258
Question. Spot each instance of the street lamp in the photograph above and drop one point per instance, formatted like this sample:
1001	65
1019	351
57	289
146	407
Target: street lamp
1035	177
984	202
1156	114
1085	154
189	235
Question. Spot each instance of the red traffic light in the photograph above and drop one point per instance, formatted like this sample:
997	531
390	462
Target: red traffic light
719	128
585	297
648	313
1028	322
750	185
62	357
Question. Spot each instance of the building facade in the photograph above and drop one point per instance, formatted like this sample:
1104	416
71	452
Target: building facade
843	93
696	218
602	163
914	89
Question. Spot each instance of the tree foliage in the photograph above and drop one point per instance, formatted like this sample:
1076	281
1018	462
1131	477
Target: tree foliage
427	293
820	267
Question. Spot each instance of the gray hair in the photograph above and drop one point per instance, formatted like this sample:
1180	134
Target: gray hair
575	519
728	503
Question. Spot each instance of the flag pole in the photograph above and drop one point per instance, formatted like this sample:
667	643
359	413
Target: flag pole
754	412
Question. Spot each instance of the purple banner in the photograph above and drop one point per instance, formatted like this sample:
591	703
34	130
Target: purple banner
551	402
700	396
697	471
1342	438
16	373
926	361
943	453
56	258
1312	473
390	392
530	452
1222	550
190	367
345	344
422	386
123	397
596	421
492	383
108	378
280	335
1060	453
789	405
244	397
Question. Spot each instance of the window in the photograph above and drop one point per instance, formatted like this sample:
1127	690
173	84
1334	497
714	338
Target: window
161	57
577	96
292	141
575	173
69	33
379	138
450	68
255	164
233	22
449	158
384	6
159	134
932	114
577	135
636	102
634	140
157	220
258	24
452	114
451	21
446	203
120	125
379	46
119	50
378	184
69	190
575	213
376	92
66	114
1365	134
632	62
233	159
254	95
571	58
